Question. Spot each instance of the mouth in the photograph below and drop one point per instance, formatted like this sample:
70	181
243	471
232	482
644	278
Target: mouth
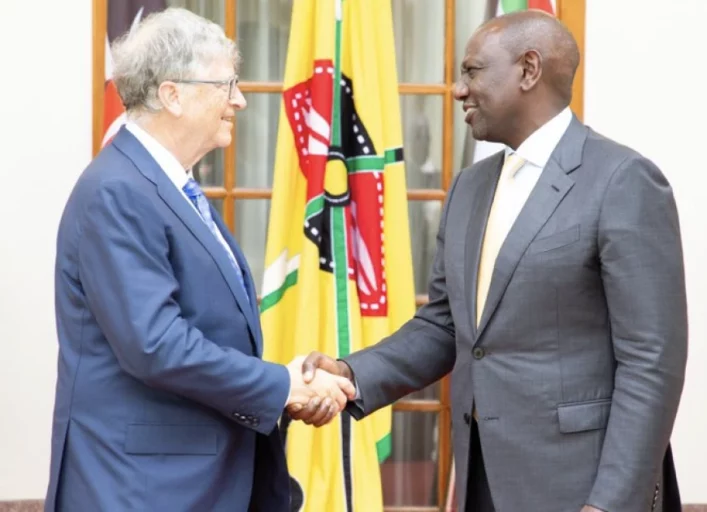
470	111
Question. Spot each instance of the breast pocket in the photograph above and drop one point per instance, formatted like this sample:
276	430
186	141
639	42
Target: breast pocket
555	241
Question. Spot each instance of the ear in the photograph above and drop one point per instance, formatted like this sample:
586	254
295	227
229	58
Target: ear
532	66
171	98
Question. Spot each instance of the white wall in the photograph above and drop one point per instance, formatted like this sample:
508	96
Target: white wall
643	88
45	141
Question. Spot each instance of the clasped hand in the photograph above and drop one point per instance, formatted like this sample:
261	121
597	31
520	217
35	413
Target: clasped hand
322	392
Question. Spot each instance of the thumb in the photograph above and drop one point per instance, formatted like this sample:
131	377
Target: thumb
308	367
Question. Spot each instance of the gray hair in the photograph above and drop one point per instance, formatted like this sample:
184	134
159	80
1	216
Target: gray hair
174	44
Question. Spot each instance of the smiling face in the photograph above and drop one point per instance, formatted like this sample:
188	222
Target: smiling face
208	110
490	86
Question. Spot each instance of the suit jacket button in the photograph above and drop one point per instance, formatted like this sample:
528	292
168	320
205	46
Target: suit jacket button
467	418
478	353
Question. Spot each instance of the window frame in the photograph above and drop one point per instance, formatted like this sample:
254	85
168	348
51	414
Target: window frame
571	12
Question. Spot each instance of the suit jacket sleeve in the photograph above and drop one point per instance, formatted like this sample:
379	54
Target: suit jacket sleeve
642	272
421	352
130	288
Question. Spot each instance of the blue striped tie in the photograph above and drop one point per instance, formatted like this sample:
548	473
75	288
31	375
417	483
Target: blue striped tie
197	197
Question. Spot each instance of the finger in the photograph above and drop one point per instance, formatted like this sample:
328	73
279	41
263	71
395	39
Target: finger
333	411
347	387
318	360
309	366
321	413
339	397
307	410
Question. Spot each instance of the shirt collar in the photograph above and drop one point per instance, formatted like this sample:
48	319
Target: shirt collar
537	148
164	158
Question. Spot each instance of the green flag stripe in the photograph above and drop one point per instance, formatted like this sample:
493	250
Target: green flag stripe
314	207
341	279
271	299
514	5
365	163
383	447
393	155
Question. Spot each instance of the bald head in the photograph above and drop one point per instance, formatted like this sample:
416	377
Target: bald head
533	30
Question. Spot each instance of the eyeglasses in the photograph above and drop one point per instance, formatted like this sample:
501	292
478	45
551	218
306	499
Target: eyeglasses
230	82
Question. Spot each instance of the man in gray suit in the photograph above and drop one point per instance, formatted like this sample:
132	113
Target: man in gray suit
557	299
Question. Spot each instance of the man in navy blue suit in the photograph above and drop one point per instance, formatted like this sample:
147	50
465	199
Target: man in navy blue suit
163	401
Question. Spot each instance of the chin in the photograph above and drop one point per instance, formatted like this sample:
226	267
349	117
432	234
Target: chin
224	141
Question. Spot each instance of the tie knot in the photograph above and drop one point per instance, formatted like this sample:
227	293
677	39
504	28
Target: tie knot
512	164
192	189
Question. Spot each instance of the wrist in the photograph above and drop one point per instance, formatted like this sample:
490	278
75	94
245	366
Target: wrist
345	370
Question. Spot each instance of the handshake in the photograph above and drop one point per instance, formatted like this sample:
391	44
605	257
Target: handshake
316	397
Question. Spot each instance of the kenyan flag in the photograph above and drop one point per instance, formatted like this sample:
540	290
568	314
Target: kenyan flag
338	272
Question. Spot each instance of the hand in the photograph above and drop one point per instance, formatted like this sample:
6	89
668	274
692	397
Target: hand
326	390
319	412
589	508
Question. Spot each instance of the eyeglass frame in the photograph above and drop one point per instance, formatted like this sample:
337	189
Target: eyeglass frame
231	83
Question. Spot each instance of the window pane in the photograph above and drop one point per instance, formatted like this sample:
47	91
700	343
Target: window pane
469	15
409	475
209	170
256	138
424	221
213	10
263	33
251	223
422	140
418	26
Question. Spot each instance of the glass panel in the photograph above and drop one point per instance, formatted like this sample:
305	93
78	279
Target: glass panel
213	10
422	140
418	26
409	475
424	222
251	223
469	15
256	138
263	32
209	170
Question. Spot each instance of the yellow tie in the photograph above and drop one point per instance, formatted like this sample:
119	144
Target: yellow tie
497	229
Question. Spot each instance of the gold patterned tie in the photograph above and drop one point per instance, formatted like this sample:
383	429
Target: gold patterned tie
497	228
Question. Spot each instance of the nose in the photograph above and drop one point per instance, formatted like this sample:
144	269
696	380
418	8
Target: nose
237	100
461	90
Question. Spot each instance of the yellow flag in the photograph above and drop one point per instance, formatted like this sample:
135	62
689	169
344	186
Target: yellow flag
338	272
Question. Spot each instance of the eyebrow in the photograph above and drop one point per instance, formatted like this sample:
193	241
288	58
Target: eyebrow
472	66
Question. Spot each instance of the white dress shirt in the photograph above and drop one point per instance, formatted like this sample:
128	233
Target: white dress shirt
170	165
536	151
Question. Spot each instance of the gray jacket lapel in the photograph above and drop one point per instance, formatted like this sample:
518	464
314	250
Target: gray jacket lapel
553	185
483	187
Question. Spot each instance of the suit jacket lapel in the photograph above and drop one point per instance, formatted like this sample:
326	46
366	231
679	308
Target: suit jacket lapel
252	312
130	146
483	187
552	187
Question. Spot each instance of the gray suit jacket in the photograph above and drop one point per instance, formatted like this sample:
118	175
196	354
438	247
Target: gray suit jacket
577	366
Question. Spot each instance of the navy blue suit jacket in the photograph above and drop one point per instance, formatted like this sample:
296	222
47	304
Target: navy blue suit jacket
163	401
